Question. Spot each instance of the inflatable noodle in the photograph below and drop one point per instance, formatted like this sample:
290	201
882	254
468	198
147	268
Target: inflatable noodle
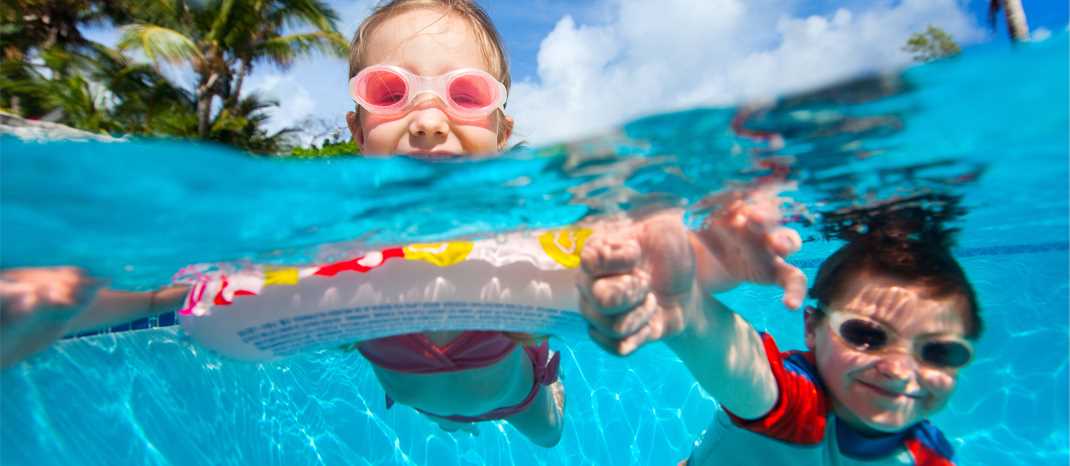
516	282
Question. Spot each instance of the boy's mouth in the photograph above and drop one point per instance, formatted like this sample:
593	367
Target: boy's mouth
888	393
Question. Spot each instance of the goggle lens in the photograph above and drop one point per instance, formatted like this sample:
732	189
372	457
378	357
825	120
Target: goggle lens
869	336
471	92
467	93
385	88
863	334
945	353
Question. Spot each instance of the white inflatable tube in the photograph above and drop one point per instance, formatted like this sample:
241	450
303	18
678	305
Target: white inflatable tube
515	283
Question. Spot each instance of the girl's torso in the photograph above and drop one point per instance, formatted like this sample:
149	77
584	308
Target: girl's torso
467	392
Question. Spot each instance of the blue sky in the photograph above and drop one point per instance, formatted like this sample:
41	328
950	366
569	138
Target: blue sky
581	67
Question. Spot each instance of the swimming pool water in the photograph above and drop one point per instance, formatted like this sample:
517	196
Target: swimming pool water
990	126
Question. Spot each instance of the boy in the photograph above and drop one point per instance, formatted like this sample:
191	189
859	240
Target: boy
892	326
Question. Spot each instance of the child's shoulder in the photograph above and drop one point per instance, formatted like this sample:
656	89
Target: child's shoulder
801	411
795	362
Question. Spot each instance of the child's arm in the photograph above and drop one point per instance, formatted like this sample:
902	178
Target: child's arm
112	307
40	305
653	281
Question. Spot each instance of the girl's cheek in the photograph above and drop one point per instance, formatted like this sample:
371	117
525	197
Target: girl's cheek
371	122
488	123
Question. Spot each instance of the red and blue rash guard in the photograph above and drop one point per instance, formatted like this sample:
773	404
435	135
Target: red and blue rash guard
802	430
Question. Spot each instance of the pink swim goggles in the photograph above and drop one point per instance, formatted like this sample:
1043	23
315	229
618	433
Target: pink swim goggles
390	90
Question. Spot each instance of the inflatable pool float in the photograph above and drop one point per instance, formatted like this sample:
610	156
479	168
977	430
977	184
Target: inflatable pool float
515	282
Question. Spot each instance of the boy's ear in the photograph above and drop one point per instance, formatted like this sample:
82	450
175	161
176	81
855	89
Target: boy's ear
353	122
811	322
506	131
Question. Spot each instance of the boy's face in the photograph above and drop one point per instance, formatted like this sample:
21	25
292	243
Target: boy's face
427	42
891	390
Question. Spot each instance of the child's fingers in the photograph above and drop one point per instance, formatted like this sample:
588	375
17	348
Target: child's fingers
60	294
16	299
608	344
610	255
784	241
617	293
621	325
70	291
619	346
792	280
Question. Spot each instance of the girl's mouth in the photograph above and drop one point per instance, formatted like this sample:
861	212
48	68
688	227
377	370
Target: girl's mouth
432	153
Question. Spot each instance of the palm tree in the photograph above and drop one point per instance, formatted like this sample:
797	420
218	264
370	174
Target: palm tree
221	40
31	27
43	92
242	124
99	91
1017	27
266	44
43	24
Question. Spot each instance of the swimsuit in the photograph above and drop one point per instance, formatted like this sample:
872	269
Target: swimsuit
414	353
801	429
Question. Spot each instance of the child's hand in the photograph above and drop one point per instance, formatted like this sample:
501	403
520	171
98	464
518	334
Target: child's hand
746	243
646	281
35	306
638	282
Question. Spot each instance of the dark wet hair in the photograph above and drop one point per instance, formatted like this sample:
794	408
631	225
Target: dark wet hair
905	240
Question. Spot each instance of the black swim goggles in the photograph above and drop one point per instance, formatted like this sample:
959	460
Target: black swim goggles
871	336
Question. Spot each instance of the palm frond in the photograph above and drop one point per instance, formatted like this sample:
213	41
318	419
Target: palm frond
159	43
222	21
297	12
282	50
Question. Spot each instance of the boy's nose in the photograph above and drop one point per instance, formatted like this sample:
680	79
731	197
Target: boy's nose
897	366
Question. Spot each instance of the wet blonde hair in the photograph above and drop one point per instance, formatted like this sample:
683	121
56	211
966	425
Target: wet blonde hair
490	40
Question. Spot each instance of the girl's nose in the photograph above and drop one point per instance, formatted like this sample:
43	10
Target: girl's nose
429	123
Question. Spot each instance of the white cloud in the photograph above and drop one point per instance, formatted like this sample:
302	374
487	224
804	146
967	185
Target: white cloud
314	86
650	57
295	102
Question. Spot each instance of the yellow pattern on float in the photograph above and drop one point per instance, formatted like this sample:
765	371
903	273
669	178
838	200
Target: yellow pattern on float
440	254
564	246
281	276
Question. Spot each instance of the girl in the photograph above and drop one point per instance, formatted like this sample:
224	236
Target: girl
893	325
430	79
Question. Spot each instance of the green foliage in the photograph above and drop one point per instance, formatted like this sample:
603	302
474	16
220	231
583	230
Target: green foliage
51	71
933	44
97	91
221	40
327	149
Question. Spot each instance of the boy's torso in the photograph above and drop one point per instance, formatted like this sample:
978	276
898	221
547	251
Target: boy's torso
724	443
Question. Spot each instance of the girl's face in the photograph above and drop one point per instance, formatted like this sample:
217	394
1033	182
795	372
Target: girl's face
892	390
427	42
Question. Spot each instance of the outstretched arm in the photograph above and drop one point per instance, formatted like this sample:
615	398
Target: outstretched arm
40	305
654	280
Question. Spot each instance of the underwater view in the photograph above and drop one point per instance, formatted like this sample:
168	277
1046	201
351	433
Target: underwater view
981	138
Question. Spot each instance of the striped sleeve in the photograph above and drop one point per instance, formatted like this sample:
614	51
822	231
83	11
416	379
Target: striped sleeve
800	413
